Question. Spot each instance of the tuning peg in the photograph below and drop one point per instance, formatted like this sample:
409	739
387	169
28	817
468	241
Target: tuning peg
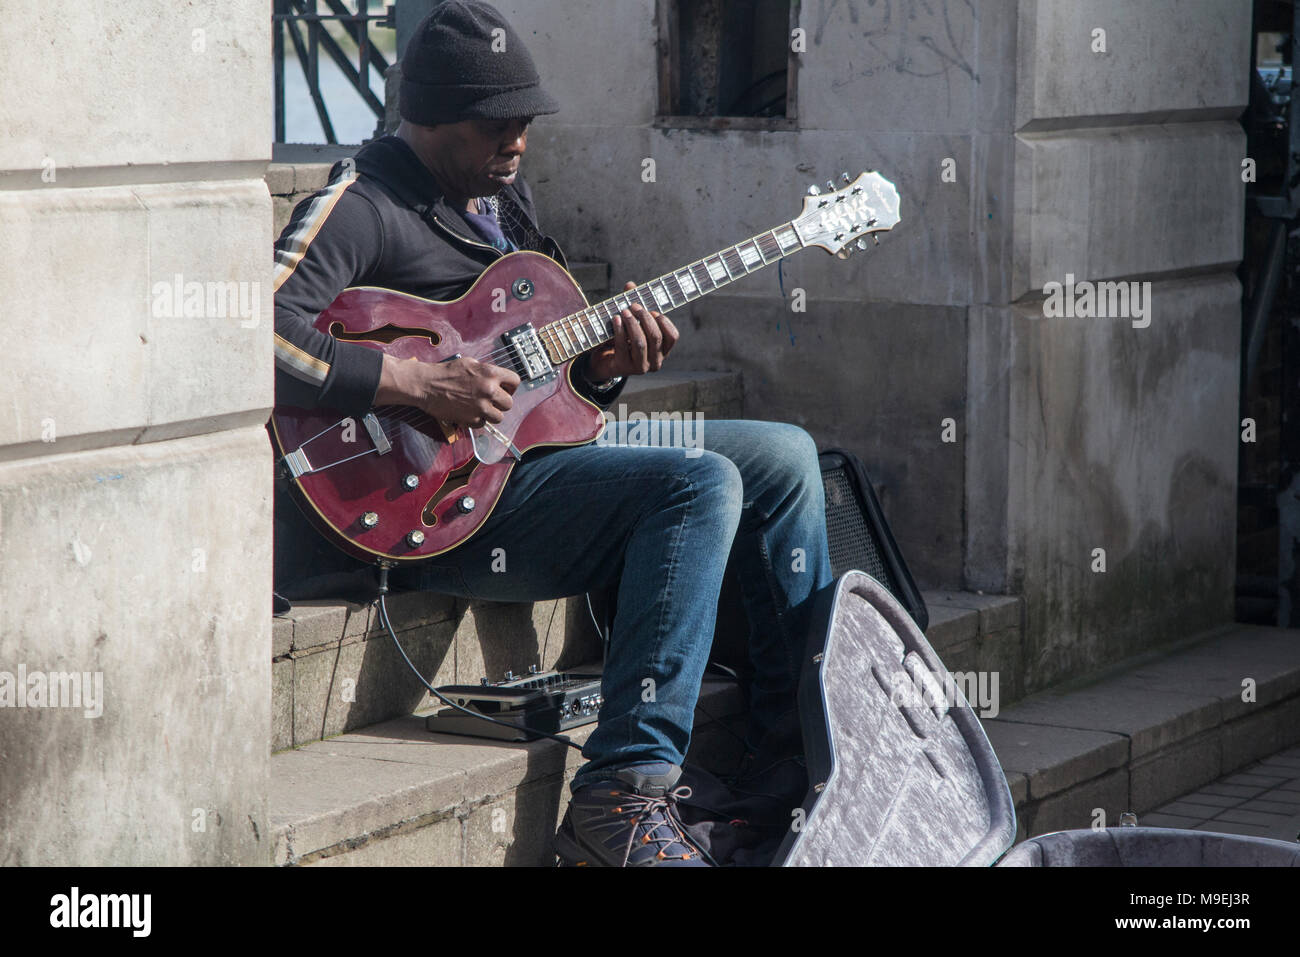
830	186
875	239
845	177
862	243
814	191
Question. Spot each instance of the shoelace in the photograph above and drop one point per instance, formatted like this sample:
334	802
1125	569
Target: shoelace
644	806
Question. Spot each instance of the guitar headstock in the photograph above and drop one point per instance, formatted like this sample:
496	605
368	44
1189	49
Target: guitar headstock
839	220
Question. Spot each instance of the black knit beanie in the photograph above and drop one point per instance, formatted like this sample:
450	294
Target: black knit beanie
450	71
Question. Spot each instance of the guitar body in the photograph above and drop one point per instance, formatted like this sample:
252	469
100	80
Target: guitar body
395	486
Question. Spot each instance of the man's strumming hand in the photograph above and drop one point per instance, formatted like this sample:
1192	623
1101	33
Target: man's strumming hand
641	341
461	391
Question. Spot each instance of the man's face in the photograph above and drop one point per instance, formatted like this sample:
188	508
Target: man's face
478	157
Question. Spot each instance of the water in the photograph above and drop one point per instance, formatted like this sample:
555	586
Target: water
352	118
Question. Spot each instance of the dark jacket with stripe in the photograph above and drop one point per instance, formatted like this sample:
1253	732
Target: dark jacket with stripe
381	221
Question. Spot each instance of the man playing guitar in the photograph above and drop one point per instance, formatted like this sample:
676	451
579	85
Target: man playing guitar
425	212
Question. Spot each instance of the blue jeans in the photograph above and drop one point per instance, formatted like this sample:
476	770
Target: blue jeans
661	522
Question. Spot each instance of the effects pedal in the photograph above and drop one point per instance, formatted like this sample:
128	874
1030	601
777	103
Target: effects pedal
549	701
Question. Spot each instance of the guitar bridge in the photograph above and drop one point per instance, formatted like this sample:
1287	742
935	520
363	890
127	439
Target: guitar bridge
531	361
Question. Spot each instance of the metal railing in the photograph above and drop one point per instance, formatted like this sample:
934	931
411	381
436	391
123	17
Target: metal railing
292	18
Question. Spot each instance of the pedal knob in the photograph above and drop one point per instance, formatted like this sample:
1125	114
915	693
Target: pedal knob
411	482
415	538
369	519
465	504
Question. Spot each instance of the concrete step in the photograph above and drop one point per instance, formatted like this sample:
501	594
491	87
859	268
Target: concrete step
394	794
1150	729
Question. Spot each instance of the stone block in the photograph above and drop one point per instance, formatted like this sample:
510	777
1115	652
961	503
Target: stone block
1126	201
158	372
1055	759
617	46
203	69
366	681
282	704
1260	734
1147	71
1174	770
1104	459
818	382
1151	720
715	189
116	562
434	845
279	179
1076	806
517	829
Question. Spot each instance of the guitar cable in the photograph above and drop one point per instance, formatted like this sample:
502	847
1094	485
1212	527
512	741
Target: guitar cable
388	626
603	632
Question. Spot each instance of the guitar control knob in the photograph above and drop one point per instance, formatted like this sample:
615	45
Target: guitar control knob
369	519
465	504
411	482
415	538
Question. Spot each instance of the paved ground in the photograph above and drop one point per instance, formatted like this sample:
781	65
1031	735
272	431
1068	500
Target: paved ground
1262	800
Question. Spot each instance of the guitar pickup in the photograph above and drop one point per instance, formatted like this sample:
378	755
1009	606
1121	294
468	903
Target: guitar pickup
531	361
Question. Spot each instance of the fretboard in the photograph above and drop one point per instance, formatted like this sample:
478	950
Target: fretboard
575	334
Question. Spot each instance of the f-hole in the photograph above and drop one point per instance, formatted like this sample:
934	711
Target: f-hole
385	334
457	478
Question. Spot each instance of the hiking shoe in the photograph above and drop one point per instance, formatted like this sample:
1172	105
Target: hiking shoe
628	822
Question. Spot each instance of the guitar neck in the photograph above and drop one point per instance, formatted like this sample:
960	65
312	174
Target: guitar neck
582	331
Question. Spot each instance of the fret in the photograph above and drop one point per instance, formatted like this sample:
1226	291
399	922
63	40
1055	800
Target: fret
597	326
661	295
717	271
738	268
768	241
579	332
687	284
700	273
638	290
670	282
787	238
568	346
748	254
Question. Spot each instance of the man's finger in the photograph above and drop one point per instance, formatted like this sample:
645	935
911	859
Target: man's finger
670	333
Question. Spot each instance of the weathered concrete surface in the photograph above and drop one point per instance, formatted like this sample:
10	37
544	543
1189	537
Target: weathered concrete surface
1127	201
135	510
129	562
76	78
396	794
1162	59
1122	439
899	434
150	319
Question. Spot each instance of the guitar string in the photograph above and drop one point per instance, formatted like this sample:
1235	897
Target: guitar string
551	336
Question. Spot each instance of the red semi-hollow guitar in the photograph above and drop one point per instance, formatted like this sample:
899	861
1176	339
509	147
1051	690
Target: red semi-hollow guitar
398	485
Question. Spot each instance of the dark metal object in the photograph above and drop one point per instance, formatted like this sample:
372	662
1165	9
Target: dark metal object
858	535
291	17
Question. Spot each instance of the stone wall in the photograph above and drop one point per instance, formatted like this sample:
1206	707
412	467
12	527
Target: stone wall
1071	435
135	511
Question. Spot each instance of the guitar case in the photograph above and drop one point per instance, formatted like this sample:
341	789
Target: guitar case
900	771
